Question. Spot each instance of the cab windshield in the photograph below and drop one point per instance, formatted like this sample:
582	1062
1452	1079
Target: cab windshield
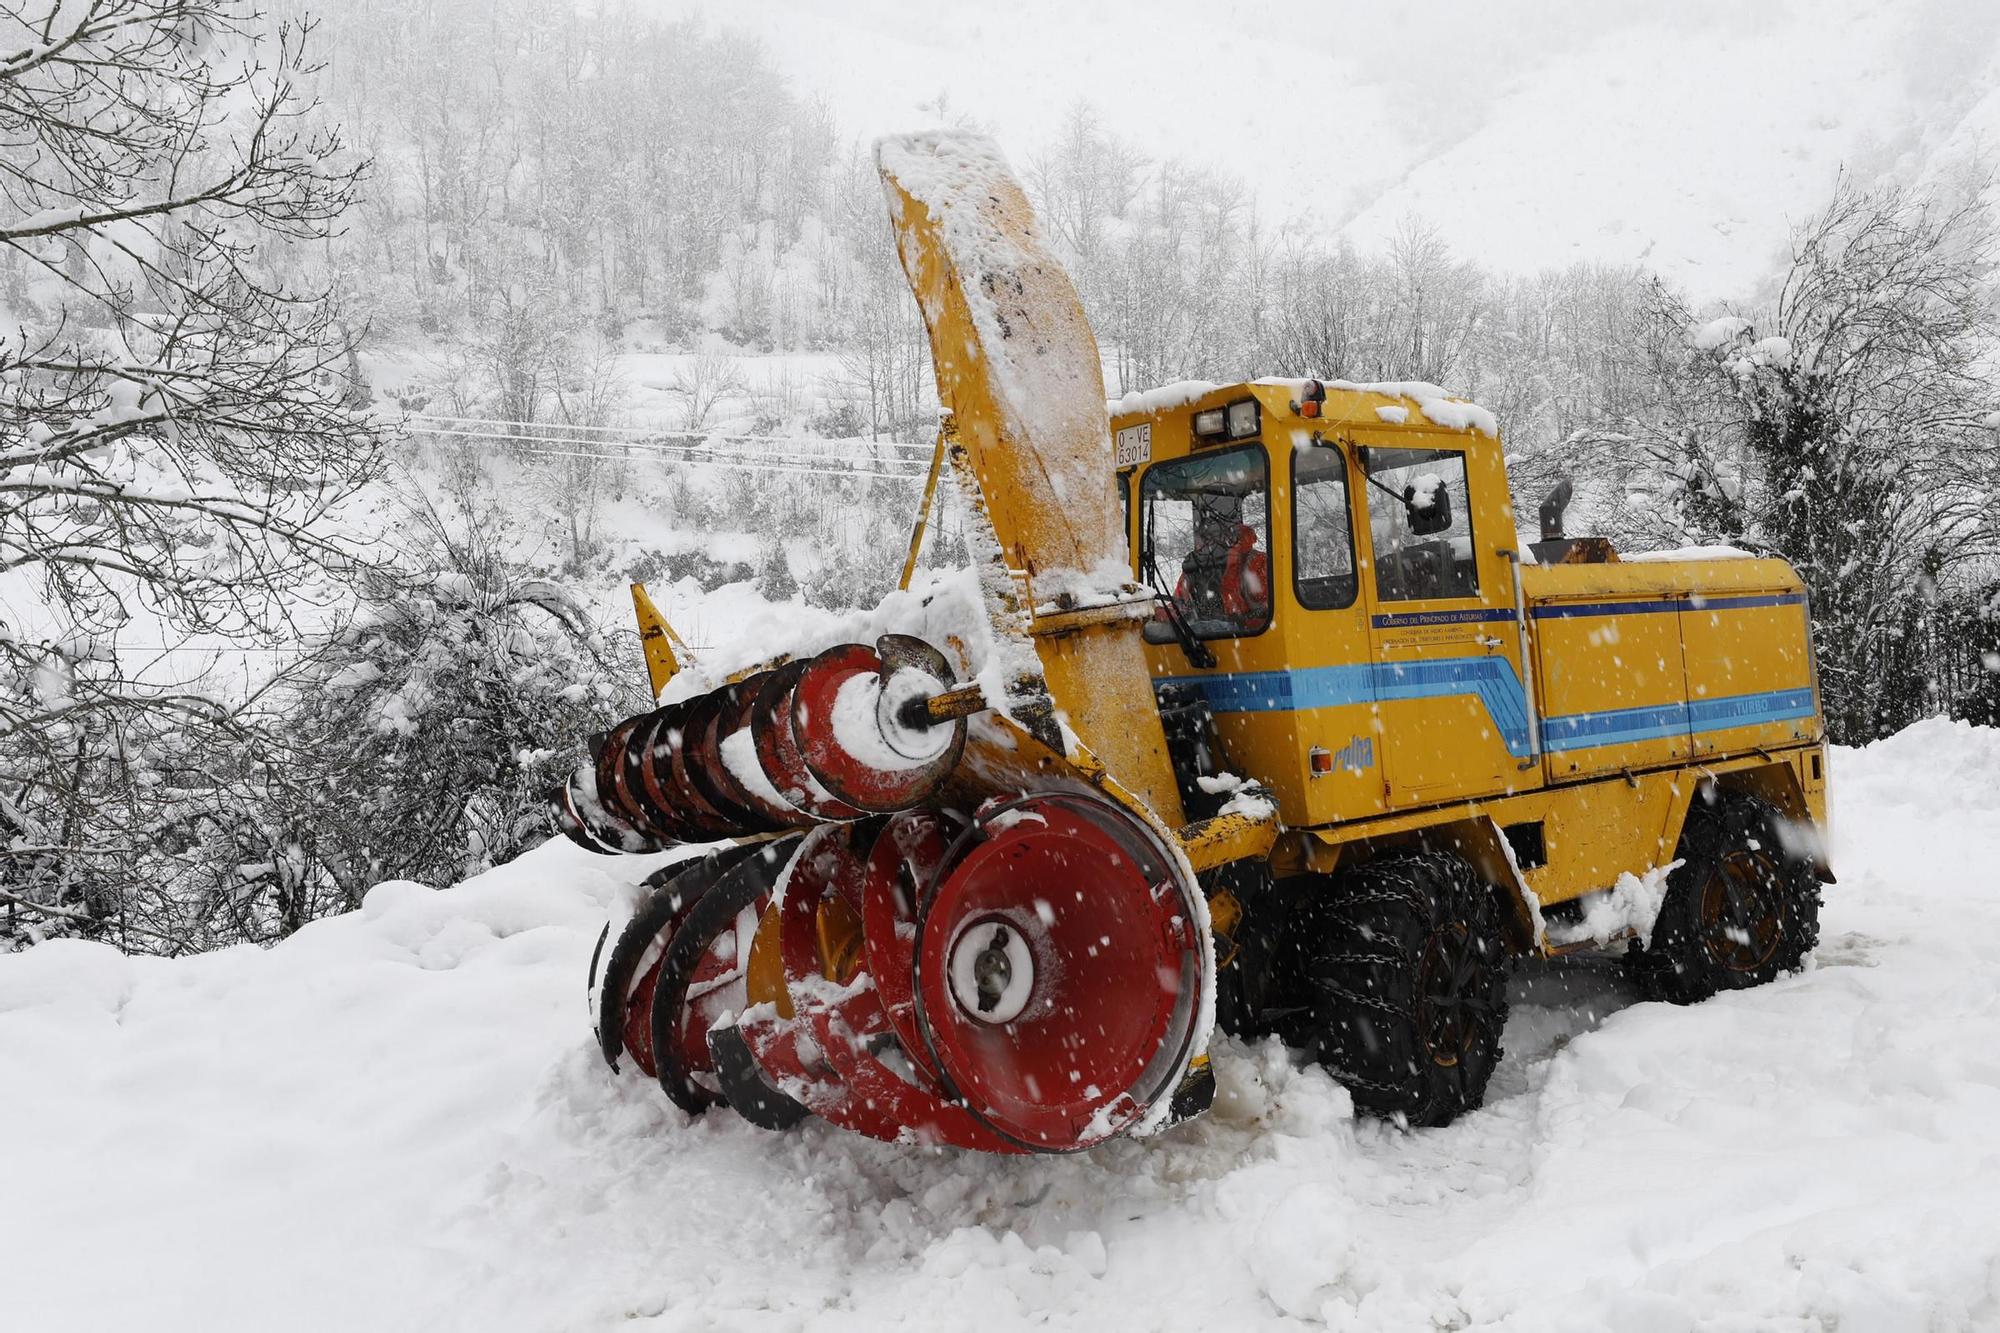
1204	539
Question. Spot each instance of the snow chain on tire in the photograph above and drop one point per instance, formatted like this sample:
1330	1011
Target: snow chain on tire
1740	909
1401	967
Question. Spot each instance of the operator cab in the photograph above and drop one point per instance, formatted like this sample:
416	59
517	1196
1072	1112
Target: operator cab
1317	559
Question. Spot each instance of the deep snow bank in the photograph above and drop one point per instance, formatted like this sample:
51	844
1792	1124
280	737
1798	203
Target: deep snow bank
395	1120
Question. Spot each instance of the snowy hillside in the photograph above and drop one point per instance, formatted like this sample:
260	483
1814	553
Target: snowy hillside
396	1120
1685	136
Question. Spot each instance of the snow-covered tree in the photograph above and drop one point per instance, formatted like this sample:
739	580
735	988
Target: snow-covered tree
775	582
1842	428
176	404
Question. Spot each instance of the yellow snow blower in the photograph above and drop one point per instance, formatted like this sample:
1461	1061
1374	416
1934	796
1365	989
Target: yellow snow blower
1275	726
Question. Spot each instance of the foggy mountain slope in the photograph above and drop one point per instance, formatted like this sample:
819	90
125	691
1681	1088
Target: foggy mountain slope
397	1119
1685	136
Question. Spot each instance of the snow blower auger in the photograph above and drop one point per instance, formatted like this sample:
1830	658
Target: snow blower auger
992	892
931	960
933	931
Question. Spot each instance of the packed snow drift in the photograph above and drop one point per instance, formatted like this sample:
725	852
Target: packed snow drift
397	1119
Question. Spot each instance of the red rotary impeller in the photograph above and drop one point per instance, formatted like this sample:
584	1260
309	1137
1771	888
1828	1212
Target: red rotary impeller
1028	983
1058	972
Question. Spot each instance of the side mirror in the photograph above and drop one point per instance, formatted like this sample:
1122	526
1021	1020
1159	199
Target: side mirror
1157	631
1429	505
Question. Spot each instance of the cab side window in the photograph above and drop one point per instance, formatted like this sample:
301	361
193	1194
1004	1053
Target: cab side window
1322	535
1420	525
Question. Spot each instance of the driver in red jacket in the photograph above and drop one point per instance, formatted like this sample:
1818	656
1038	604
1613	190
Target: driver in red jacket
1225	577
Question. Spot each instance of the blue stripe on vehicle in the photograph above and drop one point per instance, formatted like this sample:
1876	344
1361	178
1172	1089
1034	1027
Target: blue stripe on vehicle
1491	679
1697	602
1573	610
1570	611
1493	682
1614	726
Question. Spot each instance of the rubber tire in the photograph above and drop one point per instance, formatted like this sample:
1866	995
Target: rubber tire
667	891
1676	966
1358	956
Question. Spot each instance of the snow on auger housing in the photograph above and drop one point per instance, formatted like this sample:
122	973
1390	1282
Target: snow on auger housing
994	892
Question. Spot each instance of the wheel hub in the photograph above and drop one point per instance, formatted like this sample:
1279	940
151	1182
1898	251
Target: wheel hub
1741	926
992	971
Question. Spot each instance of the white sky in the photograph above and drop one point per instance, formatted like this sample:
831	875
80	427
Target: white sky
1685	133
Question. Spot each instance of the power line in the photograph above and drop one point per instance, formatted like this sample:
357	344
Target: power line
657	435
766	461
737	467
808	464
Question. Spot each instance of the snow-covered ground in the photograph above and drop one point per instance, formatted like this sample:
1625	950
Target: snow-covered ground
396	1120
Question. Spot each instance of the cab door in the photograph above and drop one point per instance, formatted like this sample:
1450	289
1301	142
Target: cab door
1450	709
1337	757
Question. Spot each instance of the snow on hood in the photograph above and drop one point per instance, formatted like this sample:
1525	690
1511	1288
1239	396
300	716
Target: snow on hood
1161	398
1439	407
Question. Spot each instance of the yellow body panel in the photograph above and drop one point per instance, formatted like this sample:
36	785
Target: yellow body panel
1442	744
1644	652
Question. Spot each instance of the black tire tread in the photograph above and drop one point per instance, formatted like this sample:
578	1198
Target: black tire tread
1673	967
1356	954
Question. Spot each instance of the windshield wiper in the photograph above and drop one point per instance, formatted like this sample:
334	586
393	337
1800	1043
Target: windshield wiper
1197	653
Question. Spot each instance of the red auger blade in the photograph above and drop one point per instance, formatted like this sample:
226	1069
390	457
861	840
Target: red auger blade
905	859
845	710
736	745
622	998
672	761
839	1053
590	817
701	973
645	754
778	747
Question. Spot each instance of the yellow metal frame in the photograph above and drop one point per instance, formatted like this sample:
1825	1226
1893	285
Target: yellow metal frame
1018	370
657	641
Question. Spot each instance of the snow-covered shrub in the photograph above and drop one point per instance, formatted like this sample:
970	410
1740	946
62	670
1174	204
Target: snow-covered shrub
774	575
437	722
